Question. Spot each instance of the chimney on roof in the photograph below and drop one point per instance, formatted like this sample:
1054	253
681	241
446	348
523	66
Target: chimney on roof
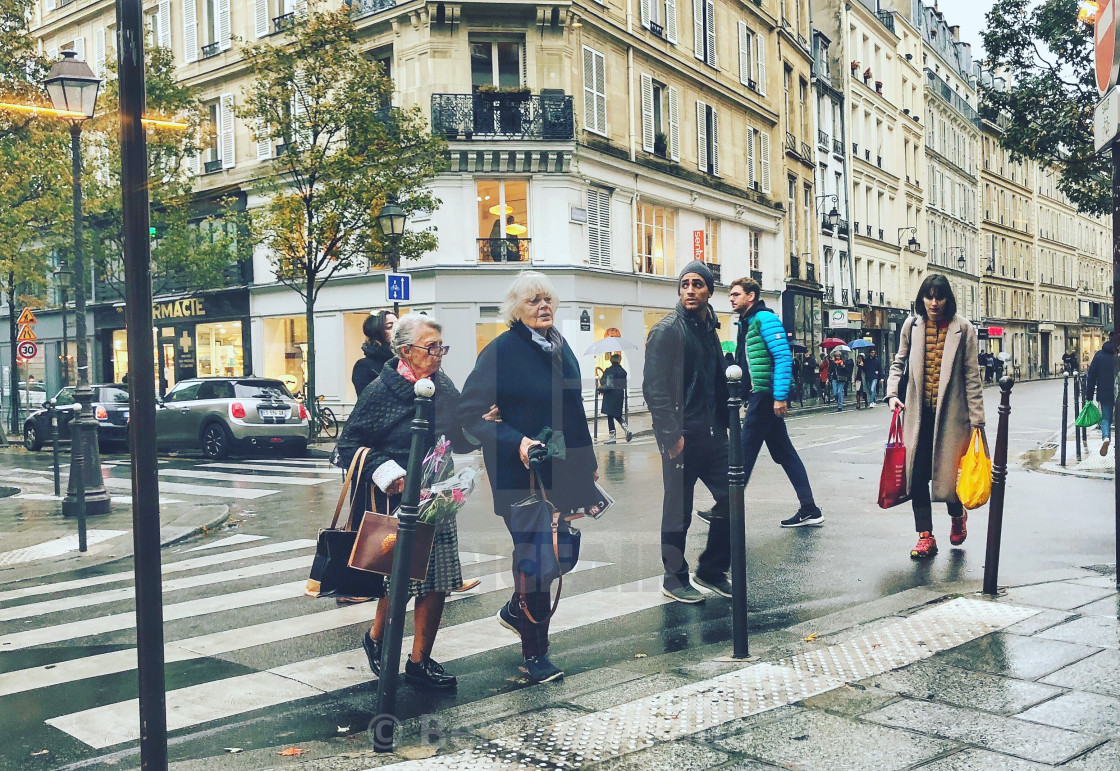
956	32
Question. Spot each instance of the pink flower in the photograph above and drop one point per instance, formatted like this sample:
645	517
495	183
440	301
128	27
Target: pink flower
457	494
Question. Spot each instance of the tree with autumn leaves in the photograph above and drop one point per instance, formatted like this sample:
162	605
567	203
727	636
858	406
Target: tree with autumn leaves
345	153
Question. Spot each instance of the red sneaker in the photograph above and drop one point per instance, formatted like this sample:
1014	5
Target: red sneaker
925	548
959	530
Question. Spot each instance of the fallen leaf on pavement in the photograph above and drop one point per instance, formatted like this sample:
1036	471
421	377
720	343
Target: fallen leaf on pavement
292	751
233	750
811	637
40	752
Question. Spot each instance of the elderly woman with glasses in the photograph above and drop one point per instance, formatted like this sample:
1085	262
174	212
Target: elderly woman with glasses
382	421
532	377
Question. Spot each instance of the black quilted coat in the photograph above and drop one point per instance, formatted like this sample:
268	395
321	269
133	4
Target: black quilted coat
367	368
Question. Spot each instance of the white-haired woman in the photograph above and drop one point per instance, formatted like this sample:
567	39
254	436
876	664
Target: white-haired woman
382	421
531	375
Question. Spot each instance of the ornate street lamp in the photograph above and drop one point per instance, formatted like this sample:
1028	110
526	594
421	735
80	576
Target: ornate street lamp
62	278
962	261
392	219
73	88
832	219
912	245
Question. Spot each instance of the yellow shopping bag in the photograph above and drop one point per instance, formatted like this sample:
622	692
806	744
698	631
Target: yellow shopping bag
974	485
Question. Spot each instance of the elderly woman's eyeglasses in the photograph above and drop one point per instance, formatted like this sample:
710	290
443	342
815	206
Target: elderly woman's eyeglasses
433	349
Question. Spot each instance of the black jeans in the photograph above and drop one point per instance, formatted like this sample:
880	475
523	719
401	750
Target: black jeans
923	472
762	426
534	637
704	458
612	418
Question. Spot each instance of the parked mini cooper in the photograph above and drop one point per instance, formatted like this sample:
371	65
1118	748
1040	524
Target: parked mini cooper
110	408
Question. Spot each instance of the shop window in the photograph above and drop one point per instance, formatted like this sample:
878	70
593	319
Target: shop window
607	322
486	331
656	240
220	351
285	351
503	220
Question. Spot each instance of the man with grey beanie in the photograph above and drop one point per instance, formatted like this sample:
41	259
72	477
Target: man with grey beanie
686	390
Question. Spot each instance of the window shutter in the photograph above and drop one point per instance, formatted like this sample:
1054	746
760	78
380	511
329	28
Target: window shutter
647	113
671	20
760	70
301	9
261	18
744	53
645	13
715	142
600	93
710	16
698	28
752	178
594	91
80	47
52	55
764	159
99	52
599	228
225	32
225	120
701	137
165	23
264	142
674	124
190	32
51	5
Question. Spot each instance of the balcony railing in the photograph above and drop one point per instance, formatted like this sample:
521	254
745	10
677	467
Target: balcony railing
213	166
281	23
880	234
811	272
717	271
869	231
806	151
843	296
842	227
942	89
822	139
882	298
510	249
858	292
830	294
794	266
791	143
856	228
757	276
887	18
837	147
211	50
361	8
503	116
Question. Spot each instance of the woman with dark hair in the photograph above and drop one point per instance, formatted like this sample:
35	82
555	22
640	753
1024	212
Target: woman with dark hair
378	329
613	388
943	402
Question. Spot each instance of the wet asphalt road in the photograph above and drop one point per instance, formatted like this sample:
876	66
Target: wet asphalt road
860	554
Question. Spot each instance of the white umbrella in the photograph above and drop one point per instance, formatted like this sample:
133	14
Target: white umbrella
609	345
1003	356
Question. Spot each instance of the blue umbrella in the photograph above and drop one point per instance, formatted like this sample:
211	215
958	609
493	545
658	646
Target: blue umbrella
861	344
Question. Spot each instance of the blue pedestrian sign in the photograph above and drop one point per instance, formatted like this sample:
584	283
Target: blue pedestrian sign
398	287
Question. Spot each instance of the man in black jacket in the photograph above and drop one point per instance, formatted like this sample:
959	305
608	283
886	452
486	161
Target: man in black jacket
686	391
1100	383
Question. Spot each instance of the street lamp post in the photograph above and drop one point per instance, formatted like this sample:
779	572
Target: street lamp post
962	261
912	245
62	278
73	88
392	220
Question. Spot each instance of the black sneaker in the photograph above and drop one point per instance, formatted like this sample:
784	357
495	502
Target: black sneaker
708	515
629	436
429	673
373	653
509	619
686	593
720	585
804	517
540	669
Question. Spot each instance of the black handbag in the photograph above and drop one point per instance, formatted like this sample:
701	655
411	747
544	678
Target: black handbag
331	574
545	546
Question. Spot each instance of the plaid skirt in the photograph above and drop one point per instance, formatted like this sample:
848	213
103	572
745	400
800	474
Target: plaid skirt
445	574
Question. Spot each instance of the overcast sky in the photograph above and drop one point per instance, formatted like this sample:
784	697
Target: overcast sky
969	14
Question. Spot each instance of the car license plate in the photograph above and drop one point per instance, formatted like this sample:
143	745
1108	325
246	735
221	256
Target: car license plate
274	413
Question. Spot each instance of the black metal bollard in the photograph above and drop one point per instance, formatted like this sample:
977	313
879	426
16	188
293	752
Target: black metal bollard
1076	413
999	489
595	419
54	443
385	721
1065	414
77	462
737	483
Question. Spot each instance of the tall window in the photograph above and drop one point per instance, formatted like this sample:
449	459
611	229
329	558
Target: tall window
704	30
807	218
656	240
497	63
791	207
707	139
753	237
503	220
758	159
711	241
660	16
660	119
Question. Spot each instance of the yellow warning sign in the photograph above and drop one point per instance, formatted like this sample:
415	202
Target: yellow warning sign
26	333
27	317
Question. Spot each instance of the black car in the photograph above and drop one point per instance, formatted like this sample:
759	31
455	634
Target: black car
110	408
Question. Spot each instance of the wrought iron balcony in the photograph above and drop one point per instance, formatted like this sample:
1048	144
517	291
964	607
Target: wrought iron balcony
503	116
281	23
806	152
842	227
857	228
794	266
717	271
880	234
213	166
882	298
837	147
811	272
869	231
822	138
509	249
791	143
757	276
360	8
858	293
211	50
843	296
830	294
887	18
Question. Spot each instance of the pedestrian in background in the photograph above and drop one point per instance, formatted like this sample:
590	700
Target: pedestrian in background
763	354
825	389
840	375
944	401
1100	382
997	366
612	385
531	376
859	381
686	391
872	374
809	373
376	350
382	421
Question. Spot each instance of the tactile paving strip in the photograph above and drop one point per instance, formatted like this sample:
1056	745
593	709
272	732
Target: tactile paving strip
641	724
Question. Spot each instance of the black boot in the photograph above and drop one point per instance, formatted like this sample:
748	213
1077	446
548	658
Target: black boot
373	653
428	673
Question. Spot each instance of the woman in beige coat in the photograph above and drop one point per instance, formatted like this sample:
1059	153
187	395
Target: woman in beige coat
944	401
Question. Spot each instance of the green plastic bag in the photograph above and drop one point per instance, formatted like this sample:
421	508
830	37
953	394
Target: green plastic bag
1090	415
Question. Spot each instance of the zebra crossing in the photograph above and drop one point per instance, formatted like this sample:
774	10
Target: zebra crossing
239	596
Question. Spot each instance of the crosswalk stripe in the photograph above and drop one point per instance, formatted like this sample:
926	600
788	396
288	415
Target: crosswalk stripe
121	500
277	468
168	567
248	493
56	547
111	724
218	643
807	445
233	540
256	478
69	602
303	462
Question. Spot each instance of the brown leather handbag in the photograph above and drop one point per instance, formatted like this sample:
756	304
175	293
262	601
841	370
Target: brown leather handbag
377	541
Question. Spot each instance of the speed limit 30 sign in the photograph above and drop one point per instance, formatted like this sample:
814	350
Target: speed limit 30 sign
27	349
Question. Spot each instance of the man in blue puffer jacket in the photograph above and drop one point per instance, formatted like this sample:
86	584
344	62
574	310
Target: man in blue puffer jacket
763	353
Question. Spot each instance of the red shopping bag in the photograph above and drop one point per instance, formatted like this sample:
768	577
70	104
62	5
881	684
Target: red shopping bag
892	482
